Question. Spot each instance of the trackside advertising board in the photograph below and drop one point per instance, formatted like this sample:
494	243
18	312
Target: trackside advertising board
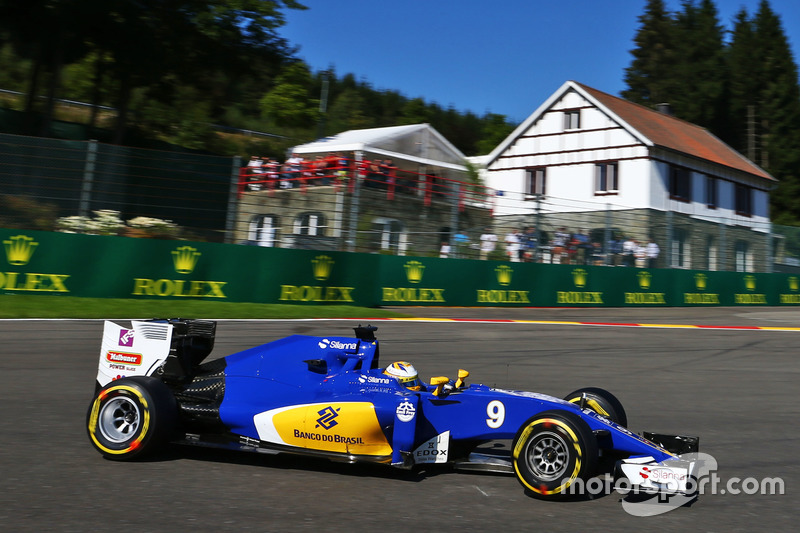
36	262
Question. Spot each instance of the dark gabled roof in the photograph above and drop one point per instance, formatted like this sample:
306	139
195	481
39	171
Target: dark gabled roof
675	134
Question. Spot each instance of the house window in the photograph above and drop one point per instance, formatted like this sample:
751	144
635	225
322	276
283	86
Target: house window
263	230
535	182
606	178
711	250
389	234
680	248
680	184
572	119
744	200
310	224
711	192
744	259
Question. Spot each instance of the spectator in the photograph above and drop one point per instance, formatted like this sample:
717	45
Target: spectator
461	241
488	243
559	244
583	247
444	251
629	251
513	245
291	172
615	251
651	252
641	255
528	245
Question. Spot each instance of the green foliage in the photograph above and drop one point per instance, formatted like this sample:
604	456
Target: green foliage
745	91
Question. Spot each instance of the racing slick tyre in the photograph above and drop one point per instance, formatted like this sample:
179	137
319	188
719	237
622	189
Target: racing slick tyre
551	451
601	402
131	417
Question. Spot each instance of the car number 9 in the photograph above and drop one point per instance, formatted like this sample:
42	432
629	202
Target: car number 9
496	412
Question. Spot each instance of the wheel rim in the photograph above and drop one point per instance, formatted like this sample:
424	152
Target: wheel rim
119	419
547	456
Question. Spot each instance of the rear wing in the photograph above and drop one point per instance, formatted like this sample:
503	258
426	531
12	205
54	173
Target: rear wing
135	351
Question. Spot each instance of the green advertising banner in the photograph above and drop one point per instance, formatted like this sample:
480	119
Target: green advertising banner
119	267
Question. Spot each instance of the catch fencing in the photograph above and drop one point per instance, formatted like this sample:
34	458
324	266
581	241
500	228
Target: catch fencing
341	203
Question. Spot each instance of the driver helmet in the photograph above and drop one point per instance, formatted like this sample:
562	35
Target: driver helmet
405	374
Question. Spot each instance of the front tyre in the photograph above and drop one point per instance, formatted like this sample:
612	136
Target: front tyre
131	417
601	402
551	451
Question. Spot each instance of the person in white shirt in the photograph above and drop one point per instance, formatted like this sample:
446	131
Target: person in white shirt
513	245
488	243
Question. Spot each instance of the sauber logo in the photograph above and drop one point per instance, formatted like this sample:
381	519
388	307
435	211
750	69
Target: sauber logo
126	337
124	357
327	417
405	411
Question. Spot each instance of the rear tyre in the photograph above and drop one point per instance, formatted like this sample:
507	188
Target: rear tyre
551	451
131	417
601	402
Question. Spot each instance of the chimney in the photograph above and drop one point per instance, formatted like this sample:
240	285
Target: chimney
664	108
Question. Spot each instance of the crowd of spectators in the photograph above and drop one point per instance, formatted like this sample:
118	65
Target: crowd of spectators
262	173
564	247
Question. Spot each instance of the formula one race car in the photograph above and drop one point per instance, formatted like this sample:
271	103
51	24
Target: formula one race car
330	397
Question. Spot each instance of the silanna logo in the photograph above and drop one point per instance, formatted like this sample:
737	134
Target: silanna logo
327	417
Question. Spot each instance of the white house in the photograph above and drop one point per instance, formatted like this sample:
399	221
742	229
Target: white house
584	151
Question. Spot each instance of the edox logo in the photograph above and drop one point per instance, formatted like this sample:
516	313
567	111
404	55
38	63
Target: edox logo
327	417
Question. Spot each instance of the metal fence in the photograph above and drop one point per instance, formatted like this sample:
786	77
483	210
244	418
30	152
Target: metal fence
345	202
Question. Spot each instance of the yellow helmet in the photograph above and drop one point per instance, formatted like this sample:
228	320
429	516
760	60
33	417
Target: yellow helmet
405	373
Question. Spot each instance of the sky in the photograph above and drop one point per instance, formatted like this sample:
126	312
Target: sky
505	57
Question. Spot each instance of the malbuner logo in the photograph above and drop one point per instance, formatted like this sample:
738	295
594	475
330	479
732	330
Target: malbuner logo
321	268
414	271
19	250
184	259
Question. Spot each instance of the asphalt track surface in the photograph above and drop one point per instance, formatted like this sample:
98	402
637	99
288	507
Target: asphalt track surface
735	388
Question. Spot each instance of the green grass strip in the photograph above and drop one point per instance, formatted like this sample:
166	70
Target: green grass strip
40	306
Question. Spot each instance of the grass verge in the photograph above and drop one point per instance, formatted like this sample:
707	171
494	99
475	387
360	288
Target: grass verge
36	306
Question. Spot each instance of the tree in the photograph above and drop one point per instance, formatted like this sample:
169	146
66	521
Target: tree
700	75
289	104
649	77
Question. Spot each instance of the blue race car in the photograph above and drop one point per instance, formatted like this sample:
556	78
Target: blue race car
330	397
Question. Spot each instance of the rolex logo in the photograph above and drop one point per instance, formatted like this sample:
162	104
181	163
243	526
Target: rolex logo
322	265
700	281
579	276
504	273
644	279
414	271
793	283
750	282
19	249
185	259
